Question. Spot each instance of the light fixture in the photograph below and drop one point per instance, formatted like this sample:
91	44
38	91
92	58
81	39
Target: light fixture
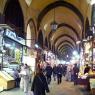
75	52
36	46
54	24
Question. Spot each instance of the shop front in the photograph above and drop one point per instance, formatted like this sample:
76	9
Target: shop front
12	48
89	54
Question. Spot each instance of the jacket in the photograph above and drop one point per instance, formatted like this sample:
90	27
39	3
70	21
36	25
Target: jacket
39	85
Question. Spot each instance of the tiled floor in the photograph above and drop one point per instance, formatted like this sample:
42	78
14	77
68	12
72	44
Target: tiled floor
65	88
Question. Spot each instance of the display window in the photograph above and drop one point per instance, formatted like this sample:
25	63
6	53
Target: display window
1	49
12	52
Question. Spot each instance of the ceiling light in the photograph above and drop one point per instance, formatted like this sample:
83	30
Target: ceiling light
54	24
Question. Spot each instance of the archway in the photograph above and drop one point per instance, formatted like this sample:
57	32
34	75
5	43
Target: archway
31	34
40	39
14	16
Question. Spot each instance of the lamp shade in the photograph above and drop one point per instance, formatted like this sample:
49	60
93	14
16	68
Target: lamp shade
54	26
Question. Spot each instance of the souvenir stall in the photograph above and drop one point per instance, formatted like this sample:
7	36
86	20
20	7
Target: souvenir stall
85	57
85	79
51	58
11	53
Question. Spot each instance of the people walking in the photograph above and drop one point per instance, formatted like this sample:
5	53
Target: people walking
39	85
59	74
54	72
75	73
64	67
68	73
48	71
16	77
25	78
87	69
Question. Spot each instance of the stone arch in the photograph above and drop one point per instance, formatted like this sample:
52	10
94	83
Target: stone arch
31	33
87	30
57	4
64	42
65	46
14	16
64	35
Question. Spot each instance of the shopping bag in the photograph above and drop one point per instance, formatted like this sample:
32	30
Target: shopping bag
30	93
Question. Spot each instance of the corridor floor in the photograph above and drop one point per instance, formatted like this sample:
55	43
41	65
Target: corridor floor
65	88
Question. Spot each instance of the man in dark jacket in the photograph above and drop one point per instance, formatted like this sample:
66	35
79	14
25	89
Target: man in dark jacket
54	72
48	71
75	73
59	73
87	69
39	85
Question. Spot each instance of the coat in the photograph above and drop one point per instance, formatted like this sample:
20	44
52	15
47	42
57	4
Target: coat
39	85
48	71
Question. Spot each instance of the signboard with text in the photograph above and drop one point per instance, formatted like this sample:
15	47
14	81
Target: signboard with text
13	36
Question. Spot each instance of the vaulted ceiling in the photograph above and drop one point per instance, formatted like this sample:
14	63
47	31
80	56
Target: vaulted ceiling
70	16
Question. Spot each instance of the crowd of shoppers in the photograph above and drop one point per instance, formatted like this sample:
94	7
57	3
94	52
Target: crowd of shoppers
44	75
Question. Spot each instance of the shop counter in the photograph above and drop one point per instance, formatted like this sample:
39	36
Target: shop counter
86	82
6	81
81	81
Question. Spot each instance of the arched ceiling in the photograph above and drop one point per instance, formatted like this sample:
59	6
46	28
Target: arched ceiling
65	41
70	16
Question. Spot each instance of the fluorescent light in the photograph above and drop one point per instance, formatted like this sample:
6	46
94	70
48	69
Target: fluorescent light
36	45
84	40
78	42
75	53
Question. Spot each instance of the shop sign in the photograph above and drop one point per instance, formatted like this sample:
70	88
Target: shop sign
13	36
10	34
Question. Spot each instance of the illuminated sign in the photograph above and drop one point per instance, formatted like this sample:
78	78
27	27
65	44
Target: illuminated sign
13	36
